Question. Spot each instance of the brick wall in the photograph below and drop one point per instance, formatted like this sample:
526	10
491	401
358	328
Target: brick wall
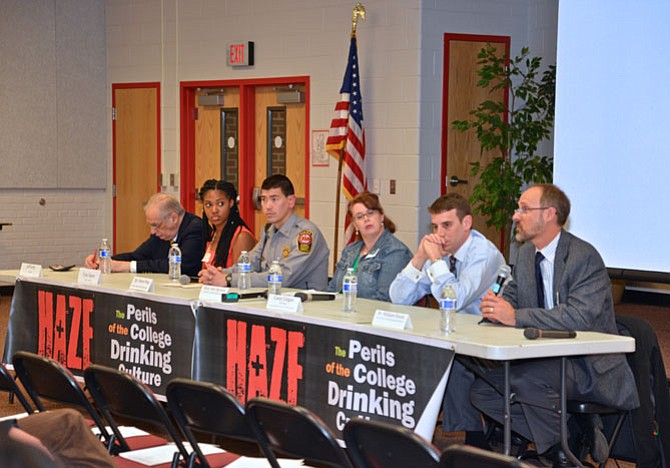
64	230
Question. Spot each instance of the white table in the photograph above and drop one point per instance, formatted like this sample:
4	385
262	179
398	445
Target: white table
486	341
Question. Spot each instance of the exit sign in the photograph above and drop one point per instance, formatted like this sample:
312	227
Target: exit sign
240	54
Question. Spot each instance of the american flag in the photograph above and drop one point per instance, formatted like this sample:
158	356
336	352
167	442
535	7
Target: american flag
347	137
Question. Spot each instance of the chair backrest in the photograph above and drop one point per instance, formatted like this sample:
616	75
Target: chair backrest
294	432
118	394
373	444
7	384
43	377
463	456
208	408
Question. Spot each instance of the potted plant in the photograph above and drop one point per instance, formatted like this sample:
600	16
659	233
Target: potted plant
512	130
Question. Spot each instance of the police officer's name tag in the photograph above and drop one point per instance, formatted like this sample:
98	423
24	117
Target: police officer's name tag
30	270
212	293
284	303
89	276
394	320
142	284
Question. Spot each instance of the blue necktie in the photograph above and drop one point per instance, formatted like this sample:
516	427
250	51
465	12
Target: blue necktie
539	284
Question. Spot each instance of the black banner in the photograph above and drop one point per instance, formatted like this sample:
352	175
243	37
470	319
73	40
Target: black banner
336	372
151	340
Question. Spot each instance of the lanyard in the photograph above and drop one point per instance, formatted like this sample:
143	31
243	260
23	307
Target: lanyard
358	257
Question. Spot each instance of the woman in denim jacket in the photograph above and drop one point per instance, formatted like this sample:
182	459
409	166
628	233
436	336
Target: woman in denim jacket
376	256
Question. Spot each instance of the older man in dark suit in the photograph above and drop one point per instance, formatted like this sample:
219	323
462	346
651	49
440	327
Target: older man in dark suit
559	282
168	223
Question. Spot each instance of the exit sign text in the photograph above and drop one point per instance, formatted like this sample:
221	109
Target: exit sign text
240	54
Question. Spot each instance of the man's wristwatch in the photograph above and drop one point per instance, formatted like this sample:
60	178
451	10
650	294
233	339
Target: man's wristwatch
229	280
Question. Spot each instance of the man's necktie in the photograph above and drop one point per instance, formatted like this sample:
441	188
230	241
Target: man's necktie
452	264
539	284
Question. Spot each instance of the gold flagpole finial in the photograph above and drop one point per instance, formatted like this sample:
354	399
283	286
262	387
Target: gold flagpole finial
359	12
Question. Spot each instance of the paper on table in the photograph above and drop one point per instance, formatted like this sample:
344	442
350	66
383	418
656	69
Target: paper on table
174	284
126	431
163	454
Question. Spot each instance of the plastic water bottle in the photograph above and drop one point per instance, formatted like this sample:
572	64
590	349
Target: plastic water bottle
105	257
349	290
448	309
274	278
244	271
174	260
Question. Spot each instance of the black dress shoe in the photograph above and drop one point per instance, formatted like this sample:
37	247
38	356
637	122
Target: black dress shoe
558	457
477	439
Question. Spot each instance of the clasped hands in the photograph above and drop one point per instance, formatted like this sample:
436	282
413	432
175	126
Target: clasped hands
431	248
212	275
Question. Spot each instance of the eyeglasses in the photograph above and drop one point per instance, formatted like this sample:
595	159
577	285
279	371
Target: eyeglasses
158	224
525	209
369	214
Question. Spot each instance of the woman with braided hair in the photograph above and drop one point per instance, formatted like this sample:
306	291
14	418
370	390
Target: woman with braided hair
227	235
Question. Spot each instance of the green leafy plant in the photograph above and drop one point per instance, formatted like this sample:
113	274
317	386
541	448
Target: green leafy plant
513	130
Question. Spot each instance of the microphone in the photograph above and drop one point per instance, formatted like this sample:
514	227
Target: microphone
234	297
503	273
534	333
309	297
185	279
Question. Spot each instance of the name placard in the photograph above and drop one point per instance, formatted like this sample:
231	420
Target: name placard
89	276
142	284
284	303
30	270
394	320
212	293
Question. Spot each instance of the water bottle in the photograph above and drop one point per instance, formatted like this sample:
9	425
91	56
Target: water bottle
105	257
274	278
174	260
349	290
244	271
448	309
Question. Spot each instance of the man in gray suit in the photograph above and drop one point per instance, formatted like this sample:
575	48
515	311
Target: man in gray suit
574	294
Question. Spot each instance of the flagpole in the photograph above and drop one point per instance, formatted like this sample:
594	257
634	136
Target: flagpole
357	13
338	193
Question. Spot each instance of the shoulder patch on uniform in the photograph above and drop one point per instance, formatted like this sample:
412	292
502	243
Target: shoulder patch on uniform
305	240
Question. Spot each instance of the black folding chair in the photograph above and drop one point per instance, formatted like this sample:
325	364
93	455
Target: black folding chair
294	432
118	394
43	377
211	409
8	384
372	444
463	456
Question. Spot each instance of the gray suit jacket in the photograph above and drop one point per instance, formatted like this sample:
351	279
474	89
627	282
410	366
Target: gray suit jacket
582	301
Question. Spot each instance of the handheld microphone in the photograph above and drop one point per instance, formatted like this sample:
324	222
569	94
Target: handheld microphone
503	273
534	333
309	297
185	279
234	297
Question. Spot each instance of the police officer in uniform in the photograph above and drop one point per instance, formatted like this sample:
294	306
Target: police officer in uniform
295	242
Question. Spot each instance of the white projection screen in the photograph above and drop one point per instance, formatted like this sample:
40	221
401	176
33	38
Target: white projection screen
612	133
